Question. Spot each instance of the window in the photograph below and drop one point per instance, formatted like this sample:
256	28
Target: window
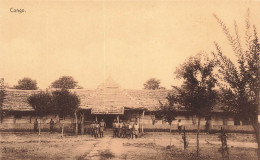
17	116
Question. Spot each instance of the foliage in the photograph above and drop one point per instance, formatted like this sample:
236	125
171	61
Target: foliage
197	94
153	84
240	82
65	82
26	84
65	102
41	103
167	111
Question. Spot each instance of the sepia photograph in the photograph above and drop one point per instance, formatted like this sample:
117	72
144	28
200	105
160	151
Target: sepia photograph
129	80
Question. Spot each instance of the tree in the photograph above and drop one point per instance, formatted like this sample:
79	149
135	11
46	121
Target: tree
167	111
239	80
2	97
65	103
26	84
153	84
197	94
65	82
42	104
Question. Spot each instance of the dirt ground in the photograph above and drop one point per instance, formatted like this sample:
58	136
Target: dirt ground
158	145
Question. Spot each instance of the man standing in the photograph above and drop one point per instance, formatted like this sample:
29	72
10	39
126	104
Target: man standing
35	124
97	127
179	124
136	129
102	127
117	128
51	126
92	128
120	129
114	128
131	129
124	130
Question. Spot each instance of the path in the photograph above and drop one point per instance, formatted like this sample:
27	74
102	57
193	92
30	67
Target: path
102	145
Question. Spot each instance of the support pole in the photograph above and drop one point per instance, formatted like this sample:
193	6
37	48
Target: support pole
143	123
82	122
76	123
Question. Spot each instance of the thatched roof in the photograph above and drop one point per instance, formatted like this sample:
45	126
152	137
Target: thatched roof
109	97
16	100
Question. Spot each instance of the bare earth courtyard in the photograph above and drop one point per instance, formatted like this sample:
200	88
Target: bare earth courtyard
158	145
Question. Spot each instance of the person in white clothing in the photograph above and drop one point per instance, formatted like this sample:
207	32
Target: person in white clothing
136	129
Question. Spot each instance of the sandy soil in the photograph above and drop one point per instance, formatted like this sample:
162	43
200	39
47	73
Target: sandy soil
159	145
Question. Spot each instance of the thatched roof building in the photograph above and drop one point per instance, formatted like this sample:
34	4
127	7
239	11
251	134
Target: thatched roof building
108	98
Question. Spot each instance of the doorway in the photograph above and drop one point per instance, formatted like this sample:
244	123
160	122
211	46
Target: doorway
108	118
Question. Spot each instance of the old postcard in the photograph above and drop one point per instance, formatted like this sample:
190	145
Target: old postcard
135	80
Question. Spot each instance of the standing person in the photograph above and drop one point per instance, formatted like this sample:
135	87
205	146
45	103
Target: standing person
51	126
102	127
124	130
92	128
35	125
127	132
117	128
114	128
179	124
97	127
130	126
136	129
120	129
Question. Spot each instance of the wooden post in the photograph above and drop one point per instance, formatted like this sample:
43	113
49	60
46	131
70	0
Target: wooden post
143	123
62	129
76	121
82	122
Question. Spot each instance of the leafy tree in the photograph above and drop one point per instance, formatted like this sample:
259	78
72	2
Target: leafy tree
2	97
65	103
197	94
239	80
42	104
167	111
65	82
26	84
153	84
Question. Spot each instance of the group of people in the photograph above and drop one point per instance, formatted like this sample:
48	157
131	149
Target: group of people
125	129
97	129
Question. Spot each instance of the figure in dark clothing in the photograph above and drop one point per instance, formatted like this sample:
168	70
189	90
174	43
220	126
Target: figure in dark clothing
51	126
179	124
35	124
114	128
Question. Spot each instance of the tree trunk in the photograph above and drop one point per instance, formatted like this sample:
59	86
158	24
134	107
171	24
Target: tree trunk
39	127
76	121
62	128
82	123
170	127
198	132
143	122
256	127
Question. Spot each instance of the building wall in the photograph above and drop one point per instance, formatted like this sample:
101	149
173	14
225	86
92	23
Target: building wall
26	123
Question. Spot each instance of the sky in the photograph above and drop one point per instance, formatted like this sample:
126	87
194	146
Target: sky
131	41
